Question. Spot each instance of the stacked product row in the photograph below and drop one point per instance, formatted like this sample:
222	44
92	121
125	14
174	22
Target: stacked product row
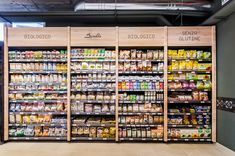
38	94
189	95
93	94
140	85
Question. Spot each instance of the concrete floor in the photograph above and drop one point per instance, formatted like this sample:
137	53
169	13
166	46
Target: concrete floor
112	149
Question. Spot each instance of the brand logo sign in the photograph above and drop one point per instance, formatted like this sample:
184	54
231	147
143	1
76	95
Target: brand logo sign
93	36
189	36
37	36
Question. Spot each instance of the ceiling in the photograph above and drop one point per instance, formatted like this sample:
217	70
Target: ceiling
68	5
61	12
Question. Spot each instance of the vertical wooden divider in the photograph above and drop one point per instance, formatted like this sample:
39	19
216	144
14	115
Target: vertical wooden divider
68	86
6	83
214	92
116	89
165	81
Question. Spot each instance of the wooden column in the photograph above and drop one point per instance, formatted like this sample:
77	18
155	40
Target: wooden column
165	82
214	94
6	79
116	91
68	87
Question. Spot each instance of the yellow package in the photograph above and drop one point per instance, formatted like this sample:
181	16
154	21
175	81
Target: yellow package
170	77
112	132
189	65
174	54
170	67
193	54
169	53
181	53
18	118
195	65
182	65
175	65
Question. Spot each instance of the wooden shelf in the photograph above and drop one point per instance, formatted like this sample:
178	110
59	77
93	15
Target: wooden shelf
140	139
91	139
37	138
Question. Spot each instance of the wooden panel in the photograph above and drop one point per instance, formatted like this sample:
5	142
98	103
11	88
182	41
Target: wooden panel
37	37
68	89
214	94
93	36
141	36
6	105
189	36
165	85
116	91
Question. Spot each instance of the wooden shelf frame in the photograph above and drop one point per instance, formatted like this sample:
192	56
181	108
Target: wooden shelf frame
116	37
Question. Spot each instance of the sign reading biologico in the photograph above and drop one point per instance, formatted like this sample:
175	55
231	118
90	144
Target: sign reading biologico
37	36
145	36
189	36
139	36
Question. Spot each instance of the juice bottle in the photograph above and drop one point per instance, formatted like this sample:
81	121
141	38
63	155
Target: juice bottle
123	85
119	85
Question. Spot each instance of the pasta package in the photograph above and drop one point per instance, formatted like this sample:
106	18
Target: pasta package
181	53
182	65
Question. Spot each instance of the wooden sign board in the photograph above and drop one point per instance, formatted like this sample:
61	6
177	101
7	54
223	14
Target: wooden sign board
189	36
93	36
141	36
37	37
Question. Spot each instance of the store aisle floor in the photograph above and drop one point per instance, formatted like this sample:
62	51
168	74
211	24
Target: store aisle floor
112	149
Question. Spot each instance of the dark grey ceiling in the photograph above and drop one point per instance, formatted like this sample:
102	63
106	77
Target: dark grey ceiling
68	5
61	12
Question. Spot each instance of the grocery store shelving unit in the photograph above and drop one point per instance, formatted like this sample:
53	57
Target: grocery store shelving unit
191	84
35	83
93	84
141	84
79	40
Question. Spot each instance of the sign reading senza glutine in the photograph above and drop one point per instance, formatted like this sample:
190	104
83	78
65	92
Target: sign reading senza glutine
189	36
37	36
